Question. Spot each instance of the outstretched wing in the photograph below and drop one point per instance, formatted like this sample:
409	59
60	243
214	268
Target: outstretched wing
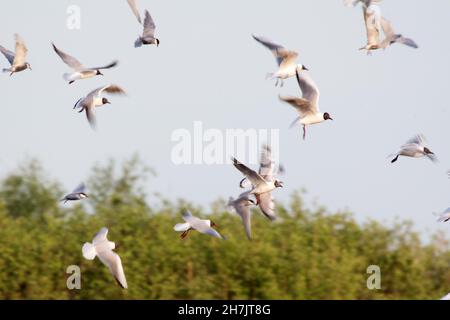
108	66
80	189
8	54
266	164
114	263
149	26
134	8
100	236
310	91
267	205
68	59
21	51
284	57
254	177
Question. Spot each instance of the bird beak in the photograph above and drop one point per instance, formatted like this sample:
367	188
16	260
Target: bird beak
305	68
100	74
331	119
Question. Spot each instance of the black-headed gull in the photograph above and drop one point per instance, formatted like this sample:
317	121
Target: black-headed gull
286	59
81	72
16	59
78	194
94	99
148	35
103	249
308	104
415	148
204	226
262	186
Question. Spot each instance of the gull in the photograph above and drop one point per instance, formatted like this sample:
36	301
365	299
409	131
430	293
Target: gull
286	60
103	248
262	186
148	35
194	223
134	8
391	37
308	104
94	99
415	148
78	194
242	207
17	59
444	216
81	72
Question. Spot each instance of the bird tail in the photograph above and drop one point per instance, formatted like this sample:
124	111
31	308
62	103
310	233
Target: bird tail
138	42
89	251
6	70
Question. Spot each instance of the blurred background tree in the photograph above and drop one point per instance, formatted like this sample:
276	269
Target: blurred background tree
305	254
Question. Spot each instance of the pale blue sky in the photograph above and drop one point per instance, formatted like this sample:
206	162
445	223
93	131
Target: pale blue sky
209	68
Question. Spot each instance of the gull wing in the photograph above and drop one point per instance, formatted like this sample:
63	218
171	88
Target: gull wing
254	177
8	54
114	264
100	237
68	59
149	26
310	91
266	204
21	51
108	66
303	106
80	189
266	164
284	57
134	8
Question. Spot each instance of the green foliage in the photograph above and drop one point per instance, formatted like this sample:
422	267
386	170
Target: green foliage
303	255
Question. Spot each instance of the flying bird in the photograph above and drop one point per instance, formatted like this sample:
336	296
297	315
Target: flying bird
391	37
134	8
94	99
148	35
103	249
415	148
194	223
16	59
78	194
81	72
242	207
286	59
262	186
308	104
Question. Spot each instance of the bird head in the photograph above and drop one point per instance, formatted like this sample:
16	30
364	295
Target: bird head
326	116
278	184
213	224
157	42
302	67
99	73
105	101
427	151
